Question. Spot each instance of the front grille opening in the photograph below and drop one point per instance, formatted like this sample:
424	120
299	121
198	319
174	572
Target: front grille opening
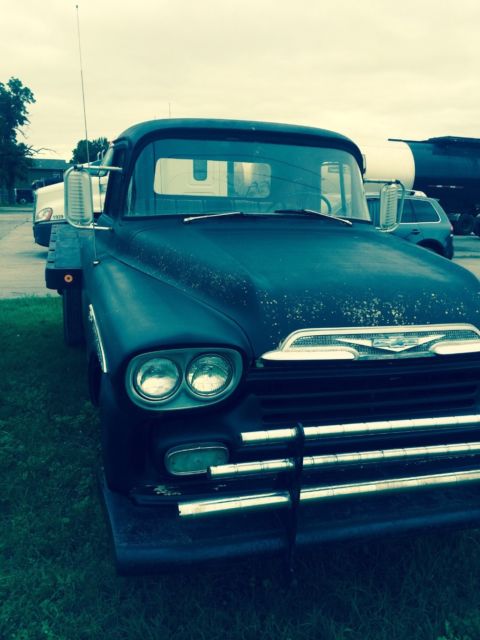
369	393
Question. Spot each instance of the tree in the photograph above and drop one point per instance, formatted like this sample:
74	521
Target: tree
95	147
14	155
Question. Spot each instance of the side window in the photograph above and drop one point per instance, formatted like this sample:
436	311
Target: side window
424	211
115	157
407	215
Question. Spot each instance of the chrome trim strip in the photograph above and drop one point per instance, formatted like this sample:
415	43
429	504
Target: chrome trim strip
388	486
430	328
223	506
271	436
320	353
251	468
343	459
450	347
358	428
98	339
281	499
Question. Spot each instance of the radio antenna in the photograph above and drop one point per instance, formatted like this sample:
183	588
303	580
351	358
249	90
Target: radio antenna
83	85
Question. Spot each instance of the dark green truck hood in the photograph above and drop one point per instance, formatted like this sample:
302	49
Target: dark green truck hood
273	276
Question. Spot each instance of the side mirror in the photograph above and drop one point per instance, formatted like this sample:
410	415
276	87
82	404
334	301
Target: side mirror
388	217
78	198
392	196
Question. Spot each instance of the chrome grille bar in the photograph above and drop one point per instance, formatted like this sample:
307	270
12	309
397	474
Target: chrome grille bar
344	459
222	506
281	499
251	468
278	436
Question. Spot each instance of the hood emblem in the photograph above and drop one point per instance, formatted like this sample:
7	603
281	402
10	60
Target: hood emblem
395	343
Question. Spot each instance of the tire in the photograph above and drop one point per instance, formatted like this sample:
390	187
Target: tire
434	248
73	331
476	226
464	225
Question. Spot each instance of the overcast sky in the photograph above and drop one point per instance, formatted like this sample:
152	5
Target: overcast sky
371	70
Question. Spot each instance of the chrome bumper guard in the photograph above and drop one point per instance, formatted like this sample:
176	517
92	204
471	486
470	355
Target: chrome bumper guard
282	499
344	459
297	463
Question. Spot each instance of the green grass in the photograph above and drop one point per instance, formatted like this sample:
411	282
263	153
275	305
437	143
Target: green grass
56	573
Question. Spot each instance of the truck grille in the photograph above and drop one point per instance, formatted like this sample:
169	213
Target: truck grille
364	391
339	431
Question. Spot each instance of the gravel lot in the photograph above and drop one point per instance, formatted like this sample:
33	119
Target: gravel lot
22	262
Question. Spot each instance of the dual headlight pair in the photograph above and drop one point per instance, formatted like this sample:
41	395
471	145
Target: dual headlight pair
183	378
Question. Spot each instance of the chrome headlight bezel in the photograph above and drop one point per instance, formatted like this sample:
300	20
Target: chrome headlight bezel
183	396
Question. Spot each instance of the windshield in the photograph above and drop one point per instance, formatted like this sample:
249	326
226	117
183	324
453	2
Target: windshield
198	177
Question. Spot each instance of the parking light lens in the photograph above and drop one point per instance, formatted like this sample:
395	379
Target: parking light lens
195	458
157	379
209	375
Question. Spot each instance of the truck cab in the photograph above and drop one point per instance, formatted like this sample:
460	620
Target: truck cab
271	369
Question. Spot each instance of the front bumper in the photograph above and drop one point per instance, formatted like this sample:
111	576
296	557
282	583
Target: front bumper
149	539
271	505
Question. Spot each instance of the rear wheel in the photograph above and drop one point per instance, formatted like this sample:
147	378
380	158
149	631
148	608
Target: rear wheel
431	246
464	225
73	331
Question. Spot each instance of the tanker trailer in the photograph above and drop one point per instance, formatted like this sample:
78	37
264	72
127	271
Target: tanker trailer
446	168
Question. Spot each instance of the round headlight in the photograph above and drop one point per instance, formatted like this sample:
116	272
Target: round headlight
157	379
209	375
44	214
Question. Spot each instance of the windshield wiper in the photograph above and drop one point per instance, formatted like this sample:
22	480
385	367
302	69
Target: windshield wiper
312	212
216	215
305	212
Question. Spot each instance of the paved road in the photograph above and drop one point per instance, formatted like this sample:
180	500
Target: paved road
22	262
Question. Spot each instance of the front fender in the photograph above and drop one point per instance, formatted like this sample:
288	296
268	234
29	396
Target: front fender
136	313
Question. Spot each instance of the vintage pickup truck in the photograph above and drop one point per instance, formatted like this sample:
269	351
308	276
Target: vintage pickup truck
271	370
